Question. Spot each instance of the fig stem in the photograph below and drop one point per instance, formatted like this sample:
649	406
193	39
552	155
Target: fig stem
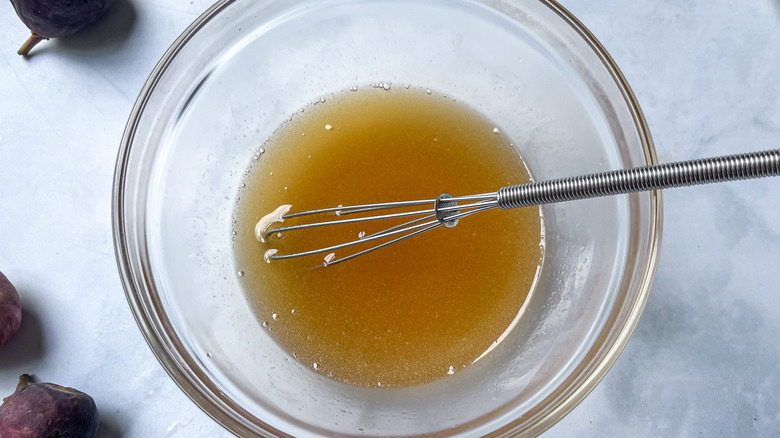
30	43
24	380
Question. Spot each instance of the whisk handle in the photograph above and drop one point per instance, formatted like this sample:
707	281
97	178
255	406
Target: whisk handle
661	176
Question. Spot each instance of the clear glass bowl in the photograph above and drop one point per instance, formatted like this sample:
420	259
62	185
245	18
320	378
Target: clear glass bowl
243	67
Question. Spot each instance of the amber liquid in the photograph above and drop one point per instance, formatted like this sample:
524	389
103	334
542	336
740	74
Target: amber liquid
418	310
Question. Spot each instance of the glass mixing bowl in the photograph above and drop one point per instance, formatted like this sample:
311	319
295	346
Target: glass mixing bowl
243	67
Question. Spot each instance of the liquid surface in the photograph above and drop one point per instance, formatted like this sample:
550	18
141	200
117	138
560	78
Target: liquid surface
418	310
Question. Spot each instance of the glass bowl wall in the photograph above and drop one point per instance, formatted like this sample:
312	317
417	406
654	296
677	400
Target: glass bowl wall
245	66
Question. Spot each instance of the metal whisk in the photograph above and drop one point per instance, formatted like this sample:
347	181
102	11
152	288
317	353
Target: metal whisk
446	210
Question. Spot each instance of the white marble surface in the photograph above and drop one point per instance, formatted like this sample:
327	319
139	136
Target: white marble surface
704	361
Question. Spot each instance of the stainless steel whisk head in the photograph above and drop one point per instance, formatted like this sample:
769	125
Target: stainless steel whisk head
446	210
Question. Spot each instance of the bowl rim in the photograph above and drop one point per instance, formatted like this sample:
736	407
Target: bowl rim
192	383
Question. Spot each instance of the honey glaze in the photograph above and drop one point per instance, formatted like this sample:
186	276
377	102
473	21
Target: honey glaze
415	311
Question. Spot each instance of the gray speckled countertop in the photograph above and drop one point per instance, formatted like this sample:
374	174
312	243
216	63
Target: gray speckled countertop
704	360
705	357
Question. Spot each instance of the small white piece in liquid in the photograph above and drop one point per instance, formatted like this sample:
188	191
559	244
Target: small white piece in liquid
271	218
267	255
329	258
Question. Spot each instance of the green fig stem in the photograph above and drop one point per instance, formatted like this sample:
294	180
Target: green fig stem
30	43
24	380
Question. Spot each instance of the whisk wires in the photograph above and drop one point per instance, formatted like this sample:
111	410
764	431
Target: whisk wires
445	211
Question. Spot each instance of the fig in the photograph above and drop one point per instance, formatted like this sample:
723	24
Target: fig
46	410
10	311
56	18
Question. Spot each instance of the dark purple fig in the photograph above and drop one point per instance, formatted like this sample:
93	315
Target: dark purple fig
56	18
46	410
10	311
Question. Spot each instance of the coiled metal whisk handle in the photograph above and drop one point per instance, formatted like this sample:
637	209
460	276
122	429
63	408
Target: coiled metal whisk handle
662	176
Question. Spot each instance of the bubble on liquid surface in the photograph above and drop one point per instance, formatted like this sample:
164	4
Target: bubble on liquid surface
495	131
328	127
428	91
267	255
451	371
275	317
316	366
240	273
361	234
354	89
265	323
407	86
292	311
386	86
